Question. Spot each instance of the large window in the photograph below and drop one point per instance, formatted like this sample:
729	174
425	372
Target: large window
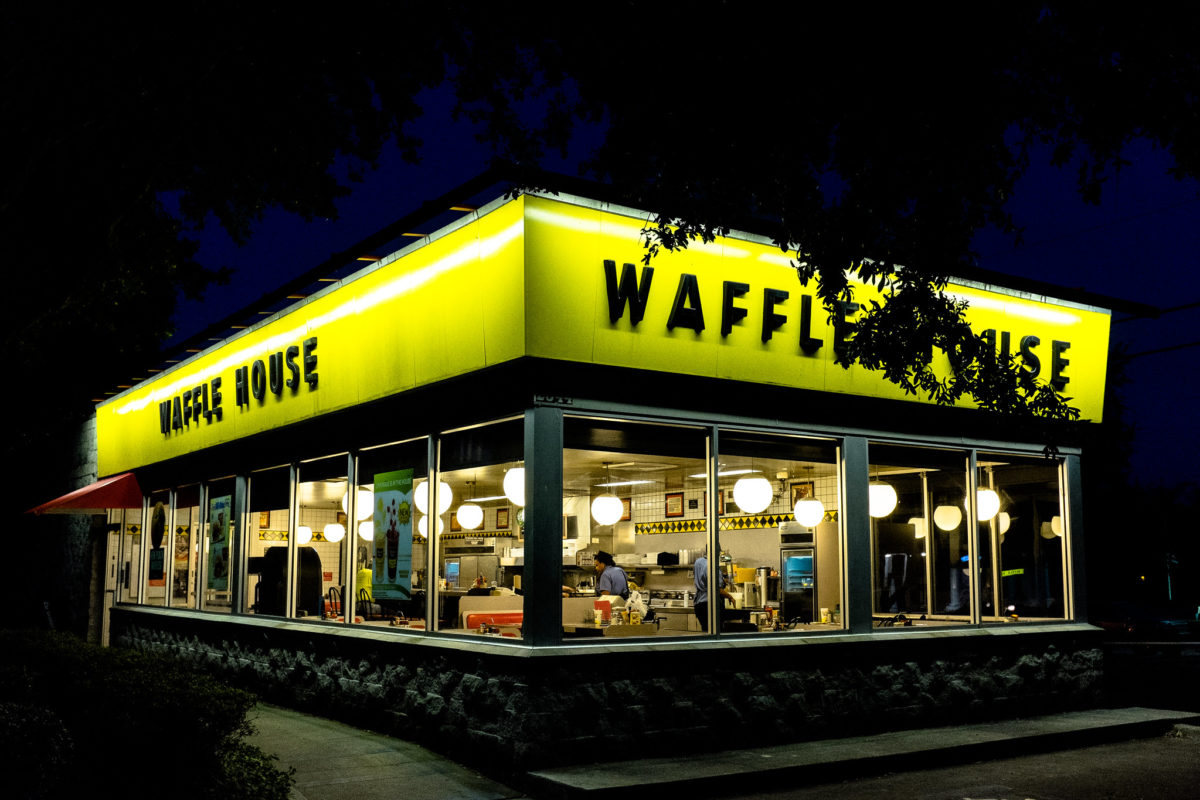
129	528
780	540
156	546
921	556
184	546
1021	519
390	555
635	519
268	517
322	524
473	518
219	545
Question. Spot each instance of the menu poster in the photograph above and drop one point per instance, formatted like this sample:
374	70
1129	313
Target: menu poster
158	531
156	576
393	535
218	542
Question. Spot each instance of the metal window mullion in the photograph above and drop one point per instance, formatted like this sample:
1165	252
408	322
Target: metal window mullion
239	562
855	479
1071	509
994	543
930	549
433	449
974	583
291	574
714	603
201	542
542	575
144	552
350	540
169	551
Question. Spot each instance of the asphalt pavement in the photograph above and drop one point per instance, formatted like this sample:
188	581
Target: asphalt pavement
1103	753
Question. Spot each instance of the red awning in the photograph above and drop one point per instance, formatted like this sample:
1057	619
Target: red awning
119	491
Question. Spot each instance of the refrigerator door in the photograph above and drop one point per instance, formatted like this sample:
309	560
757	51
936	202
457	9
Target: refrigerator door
798	584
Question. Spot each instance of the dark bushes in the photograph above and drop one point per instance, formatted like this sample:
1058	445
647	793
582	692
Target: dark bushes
141	725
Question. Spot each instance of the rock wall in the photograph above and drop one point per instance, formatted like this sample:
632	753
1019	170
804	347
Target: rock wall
508	712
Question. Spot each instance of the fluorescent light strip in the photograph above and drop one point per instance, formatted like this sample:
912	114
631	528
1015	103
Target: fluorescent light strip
624	483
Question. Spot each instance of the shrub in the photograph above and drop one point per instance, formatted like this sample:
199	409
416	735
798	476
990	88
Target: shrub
139	721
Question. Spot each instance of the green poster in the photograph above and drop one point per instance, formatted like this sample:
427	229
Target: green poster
218	542
393	535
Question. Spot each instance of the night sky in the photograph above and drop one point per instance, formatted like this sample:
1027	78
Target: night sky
1139	244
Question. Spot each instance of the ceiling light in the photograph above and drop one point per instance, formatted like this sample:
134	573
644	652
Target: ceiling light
514	485
303	534
363	504
469	516
752	495
423	526
881	499
809	512
947	518
987	503
366	530
919	527
607	509
334	532
444	497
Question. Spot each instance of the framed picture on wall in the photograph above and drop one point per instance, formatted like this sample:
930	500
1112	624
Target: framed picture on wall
801	490
626	509
264	520
674	504
501	519
720	503
455	527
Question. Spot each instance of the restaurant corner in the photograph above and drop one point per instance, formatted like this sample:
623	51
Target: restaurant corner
499	487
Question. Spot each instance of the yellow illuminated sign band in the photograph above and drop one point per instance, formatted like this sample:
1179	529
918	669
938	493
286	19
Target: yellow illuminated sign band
177	414
540	277
629	292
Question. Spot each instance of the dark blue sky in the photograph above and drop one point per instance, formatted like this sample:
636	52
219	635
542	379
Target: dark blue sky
1140	244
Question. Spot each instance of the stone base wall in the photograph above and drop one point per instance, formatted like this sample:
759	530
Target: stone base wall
512	711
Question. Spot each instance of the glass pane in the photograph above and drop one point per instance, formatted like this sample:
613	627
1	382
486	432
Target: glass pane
156	554
130	520
219	546
321	539
185	546
634	517
919	536
479	589
390	558
267	519
1021	500
780	533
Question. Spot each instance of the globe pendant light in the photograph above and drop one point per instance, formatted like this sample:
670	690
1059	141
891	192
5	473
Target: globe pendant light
423	526
469	516
1056	525
881	499
365	498
987	504
514	486
947	518
303	534
1005	521
919	529
752	495
809	512
606	509
444	497
334	532
366	530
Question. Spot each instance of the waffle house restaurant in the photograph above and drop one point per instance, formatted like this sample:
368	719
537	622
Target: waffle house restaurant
398	500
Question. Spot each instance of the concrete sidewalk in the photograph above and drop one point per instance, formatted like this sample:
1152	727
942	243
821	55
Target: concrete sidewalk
334	761
337	762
